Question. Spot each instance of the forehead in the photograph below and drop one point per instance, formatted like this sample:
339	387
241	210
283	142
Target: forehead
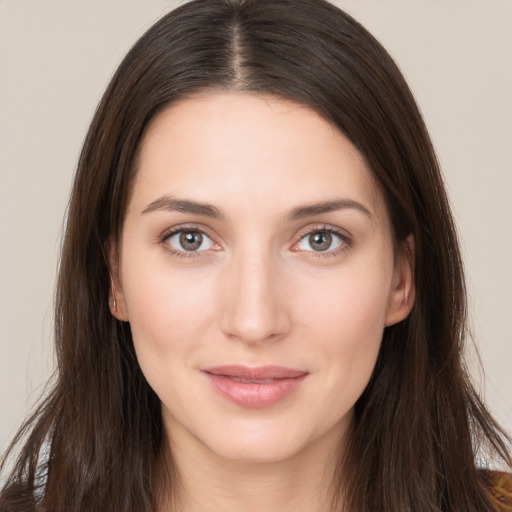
222	146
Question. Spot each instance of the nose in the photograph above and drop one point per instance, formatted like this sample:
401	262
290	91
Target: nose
255	306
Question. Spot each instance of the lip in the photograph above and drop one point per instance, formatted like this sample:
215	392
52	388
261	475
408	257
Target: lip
255	387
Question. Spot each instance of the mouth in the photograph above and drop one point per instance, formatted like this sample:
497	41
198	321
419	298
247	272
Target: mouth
255	387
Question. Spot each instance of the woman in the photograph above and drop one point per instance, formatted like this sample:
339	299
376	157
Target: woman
260	301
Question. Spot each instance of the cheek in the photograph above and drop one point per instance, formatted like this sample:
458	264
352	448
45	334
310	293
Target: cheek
349	305
168	311
346	317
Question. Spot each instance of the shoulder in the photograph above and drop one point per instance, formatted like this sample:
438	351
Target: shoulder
500	486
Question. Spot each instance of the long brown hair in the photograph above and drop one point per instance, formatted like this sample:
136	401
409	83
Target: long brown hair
95	442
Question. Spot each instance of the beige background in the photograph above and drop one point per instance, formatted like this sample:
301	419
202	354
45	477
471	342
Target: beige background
56	57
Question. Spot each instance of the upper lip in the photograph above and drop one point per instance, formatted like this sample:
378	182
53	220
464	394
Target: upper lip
255	373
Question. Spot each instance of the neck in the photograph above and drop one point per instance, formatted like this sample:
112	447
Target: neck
206	481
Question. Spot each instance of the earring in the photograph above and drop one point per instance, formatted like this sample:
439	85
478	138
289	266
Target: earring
114	302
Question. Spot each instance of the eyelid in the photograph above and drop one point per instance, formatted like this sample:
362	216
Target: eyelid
170	232
344	235
346	239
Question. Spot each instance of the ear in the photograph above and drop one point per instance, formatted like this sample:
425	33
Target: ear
116	300
403	290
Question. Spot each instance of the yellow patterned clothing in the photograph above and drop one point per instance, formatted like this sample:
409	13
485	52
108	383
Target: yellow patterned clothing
501	488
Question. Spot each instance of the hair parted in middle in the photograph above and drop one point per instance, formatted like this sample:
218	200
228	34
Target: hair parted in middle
412	443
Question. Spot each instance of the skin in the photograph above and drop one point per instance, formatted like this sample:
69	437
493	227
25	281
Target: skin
257	292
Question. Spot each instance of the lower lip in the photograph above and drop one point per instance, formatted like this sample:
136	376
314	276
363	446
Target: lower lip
252	394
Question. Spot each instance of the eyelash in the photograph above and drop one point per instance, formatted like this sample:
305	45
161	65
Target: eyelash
182	254
346	241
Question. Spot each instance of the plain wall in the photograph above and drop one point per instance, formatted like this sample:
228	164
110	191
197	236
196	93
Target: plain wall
56	58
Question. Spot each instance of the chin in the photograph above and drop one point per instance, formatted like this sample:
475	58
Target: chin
261	443
261	453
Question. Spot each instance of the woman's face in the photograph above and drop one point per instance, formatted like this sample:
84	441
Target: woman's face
257	272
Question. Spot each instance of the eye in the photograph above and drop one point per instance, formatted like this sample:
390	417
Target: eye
189	240
321	240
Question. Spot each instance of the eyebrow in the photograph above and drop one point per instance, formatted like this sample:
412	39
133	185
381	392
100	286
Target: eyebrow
325	207
167	203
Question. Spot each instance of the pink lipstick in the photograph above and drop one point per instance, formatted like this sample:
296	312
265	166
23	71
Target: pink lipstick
255	387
